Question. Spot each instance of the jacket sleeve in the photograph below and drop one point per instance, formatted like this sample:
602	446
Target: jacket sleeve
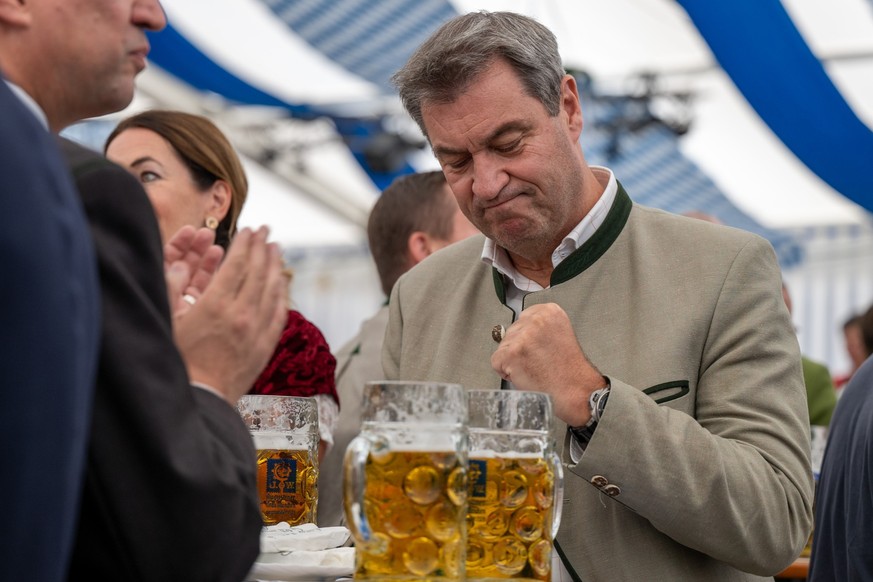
170	491
734	481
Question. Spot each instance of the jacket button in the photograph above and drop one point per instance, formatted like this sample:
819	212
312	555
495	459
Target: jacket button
599	481
612	490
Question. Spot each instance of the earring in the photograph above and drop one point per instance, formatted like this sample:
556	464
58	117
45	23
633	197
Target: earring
211	222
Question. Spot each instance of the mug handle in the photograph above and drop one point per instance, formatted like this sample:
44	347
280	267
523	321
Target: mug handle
558	504
354	485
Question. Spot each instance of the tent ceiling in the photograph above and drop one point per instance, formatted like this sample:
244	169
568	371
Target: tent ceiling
726	138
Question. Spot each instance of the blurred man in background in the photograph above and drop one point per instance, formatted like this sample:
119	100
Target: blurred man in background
821	396
841	543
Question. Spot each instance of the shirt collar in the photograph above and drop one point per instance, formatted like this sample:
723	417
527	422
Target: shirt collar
497	257
29	102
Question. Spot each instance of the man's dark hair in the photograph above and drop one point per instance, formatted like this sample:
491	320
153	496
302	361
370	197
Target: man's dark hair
414	202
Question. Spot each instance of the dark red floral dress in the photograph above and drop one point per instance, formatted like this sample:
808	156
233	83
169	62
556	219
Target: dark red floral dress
302	365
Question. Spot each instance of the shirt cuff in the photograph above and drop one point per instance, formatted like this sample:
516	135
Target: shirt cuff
577	448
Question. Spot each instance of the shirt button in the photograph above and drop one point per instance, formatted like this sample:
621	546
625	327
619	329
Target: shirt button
599	481
612	490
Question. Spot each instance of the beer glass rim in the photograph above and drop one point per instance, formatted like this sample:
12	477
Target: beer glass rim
250	397
398	402
527	393
299	414
424	383
478	422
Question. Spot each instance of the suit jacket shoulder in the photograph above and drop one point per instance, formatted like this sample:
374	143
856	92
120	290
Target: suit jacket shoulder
170	487
49	333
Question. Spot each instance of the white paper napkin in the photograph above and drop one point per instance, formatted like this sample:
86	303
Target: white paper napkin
284	538
303	552
305	565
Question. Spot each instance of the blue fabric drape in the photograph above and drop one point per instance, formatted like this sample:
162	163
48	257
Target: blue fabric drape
175	54
757	44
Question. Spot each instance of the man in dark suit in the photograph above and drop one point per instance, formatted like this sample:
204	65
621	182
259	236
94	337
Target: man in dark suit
841	540
49	325
169	491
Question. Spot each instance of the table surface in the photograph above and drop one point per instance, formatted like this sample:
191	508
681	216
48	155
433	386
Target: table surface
798	569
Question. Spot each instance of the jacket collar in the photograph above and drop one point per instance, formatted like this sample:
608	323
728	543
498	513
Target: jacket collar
588	253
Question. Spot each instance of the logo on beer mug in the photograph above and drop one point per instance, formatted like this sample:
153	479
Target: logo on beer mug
478	477
284	431
281	476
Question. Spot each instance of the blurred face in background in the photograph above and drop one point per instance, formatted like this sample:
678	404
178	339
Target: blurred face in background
178	201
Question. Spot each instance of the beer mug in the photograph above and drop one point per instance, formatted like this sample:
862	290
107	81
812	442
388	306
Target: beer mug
515	486
405	482
285	433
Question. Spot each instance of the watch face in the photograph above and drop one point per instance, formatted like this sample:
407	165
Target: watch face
598	403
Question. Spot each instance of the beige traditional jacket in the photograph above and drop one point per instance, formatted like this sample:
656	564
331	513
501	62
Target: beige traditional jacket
358	361
699	468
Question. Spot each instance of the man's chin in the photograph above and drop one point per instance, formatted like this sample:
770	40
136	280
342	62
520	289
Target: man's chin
115	101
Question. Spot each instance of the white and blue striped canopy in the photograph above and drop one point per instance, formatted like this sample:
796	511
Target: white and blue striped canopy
334	58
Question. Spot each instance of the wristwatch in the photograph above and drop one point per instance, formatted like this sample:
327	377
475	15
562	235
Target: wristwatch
597	402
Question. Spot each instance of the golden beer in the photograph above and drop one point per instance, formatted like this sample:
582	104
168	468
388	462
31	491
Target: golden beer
509	518
287	484
414	503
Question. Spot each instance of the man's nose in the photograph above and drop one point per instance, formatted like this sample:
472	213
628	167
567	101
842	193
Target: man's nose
489	176
149	14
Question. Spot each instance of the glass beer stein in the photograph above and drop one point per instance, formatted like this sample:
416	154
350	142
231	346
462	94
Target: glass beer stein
405	482
515	486
285	433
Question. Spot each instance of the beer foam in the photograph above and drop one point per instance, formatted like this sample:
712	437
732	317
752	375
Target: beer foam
489	454
275	440
421	438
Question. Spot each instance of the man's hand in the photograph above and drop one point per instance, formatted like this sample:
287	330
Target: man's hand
190	261
228	336
540	352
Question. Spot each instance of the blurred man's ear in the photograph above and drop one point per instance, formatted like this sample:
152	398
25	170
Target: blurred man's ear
419	246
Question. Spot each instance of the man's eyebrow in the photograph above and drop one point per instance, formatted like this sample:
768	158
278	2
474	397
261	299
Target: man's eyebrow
509	127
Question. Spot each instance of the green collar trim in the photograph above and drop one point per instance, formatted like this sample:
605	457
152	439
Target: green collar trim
593	249
499	285
588	253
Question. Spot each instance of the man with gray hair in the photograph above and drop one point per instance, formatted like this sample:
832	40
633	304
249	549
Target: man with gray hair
413	218
684	421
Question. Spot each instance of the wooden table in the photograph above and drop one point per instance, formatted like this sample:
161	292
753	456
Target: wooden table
798	570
